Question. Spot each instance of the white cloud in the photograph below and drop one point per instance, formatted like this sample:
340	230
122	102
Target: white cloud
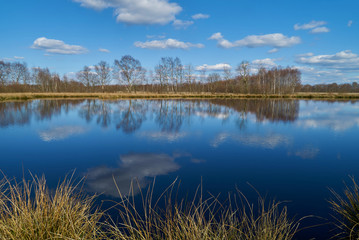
137	11
181	24
167	44
276	40
311	25
266	62
103	50
320	30
274	50
315	26
350	22
216	67
57	46
344	60
200	16
12	59
60	133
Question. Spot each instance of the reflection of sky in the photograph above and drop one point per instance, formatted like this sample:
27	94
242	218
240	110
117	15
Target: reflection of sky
338	116
163	135
60	133
292	160
133	168
268	141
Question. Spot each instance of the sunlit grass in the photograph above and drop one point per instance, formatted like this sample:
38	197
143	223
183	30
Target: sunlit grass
29	210
201	218
346	209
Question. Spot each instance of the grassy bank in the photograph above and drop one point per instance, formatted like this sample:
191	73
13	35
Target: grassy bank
147	95
29	210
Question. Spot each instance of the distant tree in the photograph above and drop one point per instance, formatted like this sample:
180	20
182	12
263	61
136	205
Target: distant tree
87	77
243	71
4	72
212	79
189	76
128	71
19	73
103	71
227	76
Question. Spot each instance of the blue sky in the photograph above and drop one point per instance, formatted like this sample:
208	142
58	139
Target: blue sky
319	37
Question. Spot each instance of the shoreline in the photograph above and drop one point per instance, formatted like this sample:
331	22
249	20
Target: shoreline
145	95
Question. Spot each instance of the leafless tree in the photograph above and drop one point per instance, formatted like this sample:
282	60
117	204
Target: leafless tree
87	77
227	75
4	72
128	71
103	71
19	73
243	71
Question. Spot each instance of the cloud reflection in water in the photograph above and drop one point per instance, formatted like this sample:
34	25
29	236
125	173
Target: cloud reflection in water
132	167
60	133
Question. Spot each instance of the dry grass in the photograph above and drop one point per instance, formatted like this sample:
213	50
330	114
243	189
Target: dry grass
28	210
147	95
346	209
203	219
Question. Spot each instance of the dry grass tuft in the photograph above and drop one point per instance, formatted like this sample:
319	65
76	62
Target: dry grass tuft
205	219
346	209
28	210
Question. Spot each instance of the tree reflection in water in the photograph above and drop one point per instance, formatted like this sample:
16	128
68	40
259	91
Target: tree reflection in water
129	115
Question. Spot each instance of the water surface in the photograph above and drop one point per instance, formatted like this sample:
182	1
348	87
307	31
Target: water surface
289	150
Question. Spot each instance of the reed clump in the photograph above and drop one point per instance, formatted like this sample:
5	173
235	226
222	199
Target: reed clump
346	209
29	210
202	219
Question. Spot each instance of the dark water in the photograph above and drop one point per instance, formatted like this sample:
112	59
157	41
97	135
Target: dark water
288	150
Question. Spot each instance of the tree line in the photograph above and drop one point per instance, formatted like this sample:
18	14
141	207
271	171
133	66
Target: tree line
168	76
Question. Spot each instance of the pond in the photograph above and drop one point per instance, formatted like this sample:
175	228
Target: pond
287	150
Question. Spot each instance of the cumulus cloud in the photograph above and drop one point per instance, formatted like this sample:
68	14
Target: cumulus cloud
137	11
350	22
266	62
131	167
320	30
60	133
178	24
274	50
315	26
103	50
311	25
200	16
13	59
167	44
276	40
344	60
57	46
216	67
